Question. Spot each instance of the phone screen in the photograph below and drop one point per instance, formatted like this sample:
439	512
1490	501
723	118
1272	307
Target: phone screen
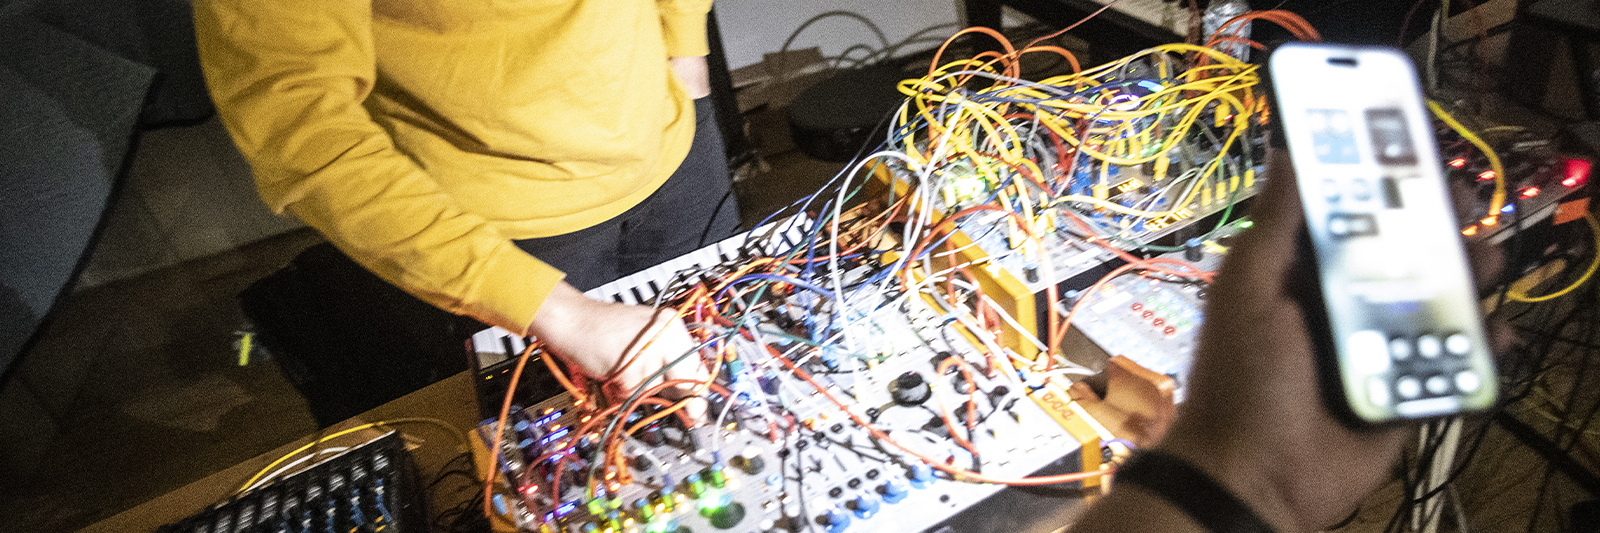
1400	306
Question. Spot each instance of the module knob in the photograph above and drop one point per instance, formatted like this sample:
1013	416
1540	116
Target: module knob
834	520
864	507
910	389
751	465
726	517
892	492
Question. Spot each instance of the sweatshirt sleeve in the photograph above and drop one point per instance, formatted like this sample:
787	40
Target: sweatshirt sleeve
683	22
289	79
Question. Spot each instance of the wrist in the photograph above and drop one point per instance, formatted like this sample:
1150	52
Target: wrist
1246	474
563	312
1131	504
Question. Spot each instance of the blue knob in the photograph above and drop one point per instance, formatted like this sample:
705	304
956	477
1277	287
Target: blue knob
921	475
864	507
835	521
892	492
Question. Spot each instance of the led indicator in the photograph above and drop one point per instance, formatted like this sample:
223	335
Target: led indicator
554	436
1486	175
1470	231
1577	172
1530	192
1458	162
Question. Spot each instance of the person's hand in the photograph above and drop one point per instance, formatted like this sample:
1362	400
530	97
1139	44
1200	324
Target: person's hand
694	73
600	337
1255	418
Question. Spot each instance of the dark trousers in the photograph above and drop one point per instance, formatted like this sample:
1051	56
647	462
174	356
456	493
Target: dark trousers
694	208
349	341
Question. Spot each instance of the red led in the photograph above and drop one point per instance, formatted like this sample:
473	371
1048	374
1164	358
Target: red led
1577	172
1170	331
1470	231
1138	307
1458	162
1486	175
1530	192
1147	314
1158	322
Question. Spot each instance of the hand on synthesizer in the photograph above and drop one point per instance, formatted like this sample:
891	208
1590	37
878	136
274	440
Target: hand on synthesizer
620	345
1254	420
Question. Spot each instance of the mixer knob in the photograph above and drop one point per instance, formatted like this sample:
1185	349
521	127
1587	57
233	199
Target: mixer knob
864	507
910	389
834	520
725	517
921	475
749	465
892	492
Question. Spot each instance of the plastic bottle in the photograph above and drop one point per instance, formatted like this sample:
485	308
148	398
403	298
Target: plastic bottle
1221	11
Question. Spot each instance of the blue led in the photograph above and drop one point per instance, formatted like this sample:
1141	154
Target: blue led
554	436
552	417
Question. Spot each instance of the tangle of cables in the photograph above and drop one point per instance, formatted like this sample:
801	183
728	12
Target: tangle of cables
1102	161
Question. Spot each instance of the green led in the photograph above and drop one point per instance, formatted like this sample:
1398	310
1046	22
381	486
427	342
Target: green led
1245	224
597	507
711	505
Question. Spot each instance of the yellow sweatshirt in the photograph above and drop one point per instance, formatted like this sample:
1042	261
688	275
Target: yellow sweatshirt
423	136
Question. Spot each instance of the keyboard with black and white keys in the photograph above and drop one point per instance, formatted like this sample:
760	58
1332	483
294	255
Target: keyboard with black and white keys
642	288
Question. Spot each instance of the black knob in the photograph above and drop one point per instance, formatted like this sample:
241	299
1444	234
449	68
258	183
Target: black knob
640	463
749	465
586	447
998	393
727	517
652	435
910	389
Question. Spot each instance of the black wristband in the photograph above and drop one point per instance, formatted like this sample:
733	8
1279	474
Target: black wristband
1192	491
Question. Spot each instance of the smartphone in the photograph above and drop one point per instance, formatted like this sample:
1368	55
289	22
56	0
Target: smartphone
1397	323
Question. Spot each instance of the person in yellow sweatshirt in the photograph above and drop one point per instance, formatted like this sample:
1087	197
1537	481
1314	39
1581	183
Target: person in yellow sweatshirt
491	157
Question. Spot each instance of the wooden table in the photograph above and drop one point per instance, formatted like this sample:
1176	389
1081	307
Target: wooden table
450	400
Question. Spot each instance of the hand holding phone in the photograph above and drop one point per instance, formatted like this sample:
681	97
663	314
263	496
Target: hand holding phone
1396	321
